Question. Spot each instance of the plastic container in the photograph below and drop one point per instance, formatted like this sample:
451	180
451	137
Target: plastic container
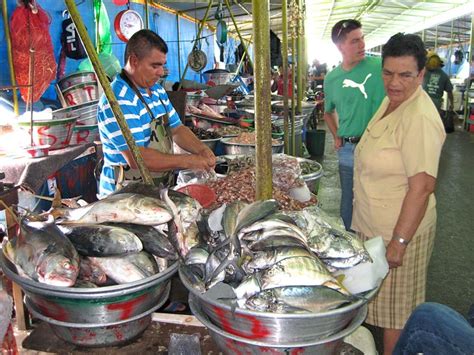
315	142
202	193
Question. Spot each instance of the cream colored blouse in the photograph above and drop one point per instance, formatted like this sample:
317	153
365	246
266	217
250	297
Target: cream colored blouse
404	143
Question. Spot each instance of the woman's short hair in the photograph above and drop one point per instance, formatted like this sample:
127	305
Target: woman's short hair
342	28
142	42
401	45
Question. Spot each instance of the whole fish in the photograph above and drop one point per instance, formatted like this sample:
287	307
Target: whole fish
276	241
44	254
272	224
101	240
255	212
118	208
188	208
265	259
127	268
265	301
154	241
299	271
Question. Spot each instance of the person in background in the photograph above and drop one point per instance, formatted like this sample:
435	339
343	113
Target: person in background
436	82
317	73
151	118
277	84
353	92
434	328
396	164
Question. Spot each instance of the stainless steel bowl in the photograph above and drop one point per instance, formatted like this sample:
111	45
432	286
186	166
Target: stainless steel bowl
87	113
85	134
99	335
76	78
312	180
211	143
237	148
277	328
55	133
102	305
232	342
81	93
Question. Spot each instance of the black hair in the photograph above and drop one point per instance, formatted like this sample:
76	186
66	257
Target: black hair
142	42
401	45
342	28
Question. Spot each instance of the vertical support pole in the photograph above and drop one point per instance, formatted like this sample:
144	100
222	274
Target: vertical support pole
301	60
467	108
147	20
179	44
263	125
104	81
10	57
284	55
436	39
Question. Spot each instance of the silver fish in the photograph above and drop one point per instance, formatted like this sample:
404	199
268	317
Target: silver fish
44	254
101	240
276	241
299	271
119	208
267	258
255	212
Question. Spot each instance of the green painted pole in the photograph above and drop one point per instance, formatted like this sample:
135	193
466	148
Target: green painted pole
284	55
10	57
104	81
300	62
467	108
201	27
238	31
147	22
263	125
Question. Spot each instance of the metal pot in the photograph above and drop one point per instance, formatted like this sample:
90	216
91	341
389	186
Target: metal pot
76	78
312	180
211	143
215	77
102	305
99	335
85	134
55	133
87	113
231	344
80	93
238	148
277	328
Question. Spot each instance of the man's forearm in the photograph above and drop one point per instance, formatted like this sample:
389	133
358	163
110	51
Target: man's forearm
331	121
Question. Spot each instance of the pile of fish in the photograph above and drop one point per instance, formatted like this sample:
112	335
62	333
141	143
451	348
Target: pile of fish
274	261
130	235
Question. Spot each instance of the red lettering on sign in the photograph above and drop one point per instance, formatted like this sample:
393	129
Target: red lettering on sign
257	331
43	134
89	90
70	99
67	137
127	307
81	136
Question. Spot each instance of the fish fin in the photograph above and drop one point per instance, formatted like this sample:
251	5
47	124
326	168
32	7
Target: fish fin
340	278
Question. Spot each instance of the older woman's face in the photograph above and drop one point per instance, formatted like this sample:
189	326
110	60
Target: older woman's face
401	78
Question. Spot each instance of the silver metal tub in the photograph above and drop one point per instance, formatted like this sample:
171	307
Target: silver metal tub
103	305
277	328
211	143
55	133
312	180
76	78
81	93
236	344
99	335
237	148
87	113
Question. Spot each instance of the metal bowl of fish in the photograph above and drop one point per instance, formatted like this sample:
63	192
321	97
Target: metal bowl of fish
311	173
276	328
100	335
232	342
101	305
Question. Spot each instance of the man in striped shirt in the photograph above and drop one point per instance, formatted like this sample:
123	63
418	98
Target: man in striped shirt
145	57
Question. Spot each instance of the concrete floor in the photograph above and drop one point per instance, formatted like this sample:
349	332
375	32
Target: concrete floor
451	269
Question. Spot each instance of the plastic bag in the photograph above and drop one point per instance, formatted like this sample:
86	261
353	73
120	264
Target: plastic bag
32	30
286	172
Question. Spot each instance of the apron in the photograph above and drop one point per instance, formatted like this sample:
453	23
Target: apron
160	140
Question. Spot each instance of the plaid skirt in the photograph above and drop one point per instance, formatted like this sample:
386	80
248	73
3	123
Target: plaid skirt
404	288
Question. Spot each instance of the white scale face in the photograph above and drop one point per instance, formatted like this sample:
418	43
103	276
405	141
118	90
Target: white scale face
129	22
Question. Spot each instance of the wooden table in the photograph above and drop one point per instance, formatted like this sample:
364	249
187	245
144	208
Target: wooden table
9	196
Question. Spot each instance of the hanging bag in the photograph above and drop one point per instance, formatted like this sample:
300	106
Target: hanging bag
71	42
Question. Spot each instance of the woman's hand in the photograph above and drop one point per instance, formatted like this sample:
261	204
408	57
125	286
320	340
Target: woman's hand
395	253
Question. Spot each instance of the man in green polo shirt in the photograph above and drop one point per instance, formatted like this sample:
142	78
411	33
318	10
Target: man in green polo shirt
353	92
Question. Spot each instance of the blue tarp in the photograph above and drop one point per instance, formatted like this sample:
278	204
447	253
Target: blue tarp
160	21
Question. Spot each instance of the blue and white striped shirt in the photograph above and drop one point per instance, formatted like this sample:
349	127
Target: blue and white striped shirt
138	121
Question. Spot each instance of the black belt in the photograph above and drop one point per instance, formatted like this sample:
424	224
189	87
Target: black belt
353	140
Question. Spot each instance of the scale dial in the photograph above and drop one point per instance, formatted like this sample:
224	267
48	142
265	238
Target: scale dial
126	23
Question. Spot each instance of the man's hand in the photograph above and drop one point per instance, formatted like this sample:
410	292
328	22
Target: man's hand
338	143
209	157
395	253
